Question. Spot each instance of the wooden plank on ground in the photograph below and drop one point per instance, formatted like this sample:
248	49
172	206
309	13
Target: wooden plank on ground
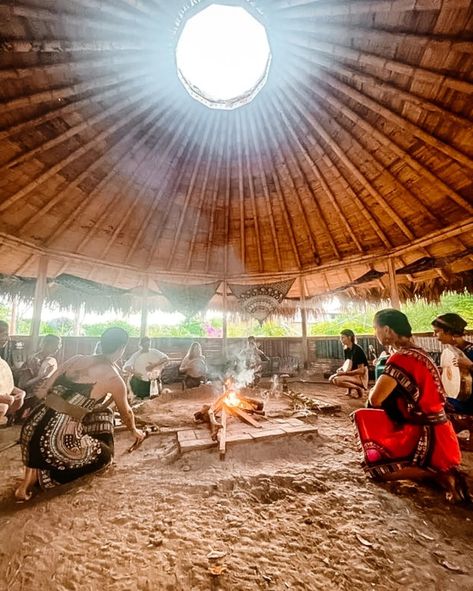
246	417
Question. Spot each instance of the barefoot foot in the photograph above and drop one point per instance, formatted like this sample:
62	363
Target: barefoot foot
23	492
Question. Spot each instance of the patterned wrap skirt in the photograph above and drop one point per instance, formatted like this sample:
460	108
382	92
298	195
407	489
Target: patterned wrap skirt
63	448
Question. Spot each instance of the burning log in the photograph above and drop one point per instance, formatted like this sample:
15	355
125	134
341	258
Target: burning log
215	426
227	404
222	434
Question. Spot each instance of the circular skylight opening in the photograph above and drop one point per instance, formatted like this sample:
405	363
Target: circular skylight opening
223	56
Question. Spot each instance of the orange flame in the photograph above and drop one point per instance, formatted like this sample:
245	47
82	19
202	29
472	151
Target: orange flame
232	399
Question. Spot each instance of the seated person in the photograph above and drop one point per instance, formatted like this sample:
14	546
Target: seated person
450	330
406	435
11	397
353	374
37	369
145	367
251	358
194	367
380	362
69	434
6	352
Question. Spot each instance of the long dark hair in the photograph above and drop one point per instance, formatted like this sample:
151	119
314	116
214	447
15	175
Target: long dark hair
450	323
395	319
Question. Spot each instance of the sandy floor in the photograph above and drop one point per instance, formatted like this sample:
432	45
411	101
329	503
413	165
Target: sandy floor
291	514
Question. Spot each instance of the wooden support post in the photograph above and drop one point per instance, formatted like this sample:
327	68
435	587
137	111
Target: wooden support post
144	308
14	315
393	290
305	345
39	295
78	317
224	323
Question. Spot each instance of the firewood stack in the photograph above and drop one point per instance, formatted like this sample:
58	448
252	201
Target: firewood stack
229	403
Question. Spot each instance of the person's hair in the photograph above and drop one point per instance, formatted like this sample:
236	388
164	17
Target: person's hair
49	338
4	325
251	339
191	351
113	339
144	340
450	323
395	319
348	333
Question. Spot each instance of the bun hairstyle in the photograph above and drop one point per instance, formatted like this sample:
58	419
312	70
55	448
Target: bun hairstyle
348	333
113	339
451	324
395	319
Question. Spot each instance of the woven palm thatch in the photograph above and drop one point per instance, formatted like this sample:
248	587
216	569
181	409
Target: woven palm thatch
359	147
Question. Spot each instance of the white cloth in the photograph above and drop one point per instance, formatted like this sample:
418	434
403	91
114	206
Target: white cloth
194	368
140	360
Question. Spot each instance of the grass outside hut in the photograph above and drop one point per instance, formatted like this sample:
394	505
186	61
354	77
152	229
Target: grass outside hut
346	170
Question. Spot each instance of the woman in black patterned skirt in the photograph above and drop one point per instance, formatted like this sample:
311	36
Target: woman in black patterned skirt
71	433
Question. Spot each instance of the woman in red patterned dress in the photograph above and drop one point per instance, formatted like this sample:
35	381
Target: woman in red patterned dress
405	434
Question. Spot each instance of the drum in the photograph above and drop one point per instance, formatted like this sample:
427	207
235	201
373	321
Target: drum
142	362
457	383
6	378
347	365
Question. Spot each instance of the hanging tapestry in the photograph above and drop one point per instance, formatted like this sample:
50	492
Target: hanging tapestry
189	299
259	301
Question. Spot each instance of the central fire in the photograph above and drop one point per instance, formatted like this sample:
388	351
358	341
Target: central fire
232	399
230	395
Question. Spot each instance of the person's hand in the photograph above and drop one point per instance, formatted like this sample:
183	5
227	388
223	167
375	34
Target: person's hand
339	371
139	434
7	399
462	363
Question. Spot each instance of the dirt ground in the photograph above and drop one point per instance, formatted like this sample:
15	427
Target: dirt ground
294	513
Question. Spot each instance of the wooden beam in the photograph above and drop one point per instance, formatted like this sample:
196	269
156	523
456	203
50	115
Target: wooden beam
259	148
299	107
224	322
305	344
394	293
313	166
78	317
14	314
144	307
246	417
384	140
72	156
39	295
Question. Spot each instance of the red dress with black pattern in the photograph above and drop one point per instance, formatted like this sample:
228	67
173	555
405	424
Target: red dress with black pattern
418	432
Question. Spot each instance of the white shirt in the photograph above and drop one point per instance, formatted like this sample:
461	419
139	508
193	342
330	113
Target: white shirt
194	368
140	360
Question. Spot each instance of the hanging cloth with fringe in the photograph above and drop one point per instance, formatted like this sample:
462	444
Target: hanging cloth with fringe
189	299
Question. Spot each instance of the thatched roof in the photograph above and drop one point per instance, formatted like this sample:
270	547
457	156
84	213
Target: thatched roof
359	146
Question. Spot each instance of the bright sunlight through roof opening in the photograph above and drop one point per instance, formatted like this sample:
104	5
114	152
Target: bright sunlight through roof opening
223	56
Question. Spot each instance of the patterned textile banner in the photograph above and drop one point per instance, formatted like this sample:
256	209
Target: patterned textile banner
189	299
259	301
